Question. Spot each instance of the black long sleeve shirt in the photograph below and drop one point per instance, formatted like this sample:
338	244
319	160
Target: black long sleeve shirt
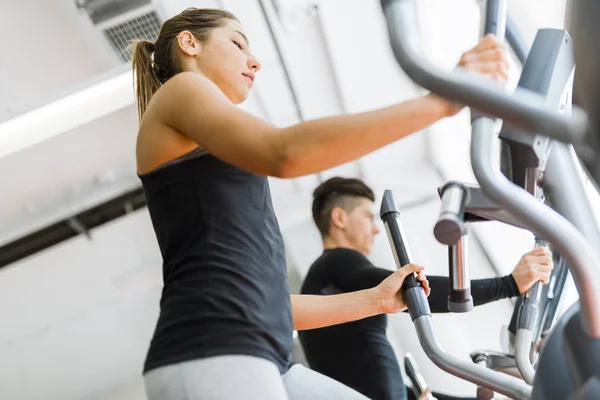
358	353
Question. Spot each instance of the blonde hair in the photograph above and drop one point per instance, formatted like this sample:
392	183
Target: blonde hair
154	63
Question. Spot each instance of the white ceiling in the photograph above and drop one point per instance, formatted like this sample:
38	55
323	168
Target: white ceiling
50	47
77	317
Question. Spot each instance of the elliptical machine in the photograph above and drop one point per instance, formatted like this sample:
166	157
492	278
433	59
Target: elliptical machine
569	362
547	70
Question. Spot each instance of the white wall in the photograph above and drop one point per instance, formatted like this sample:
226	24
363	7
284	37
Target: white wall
77	318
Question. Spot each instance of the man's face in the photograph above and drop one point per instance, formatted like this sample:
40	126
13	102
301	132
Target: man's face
360	228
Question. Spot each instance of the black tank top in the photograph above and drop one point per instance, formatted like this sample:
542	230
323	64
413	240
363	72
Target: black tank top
224	270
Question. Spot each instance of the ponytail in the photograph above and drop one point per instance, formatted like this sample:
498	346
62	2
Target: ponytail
145	72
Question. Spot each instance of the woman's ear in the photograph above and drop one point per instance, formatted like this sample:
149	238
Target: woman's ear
188	43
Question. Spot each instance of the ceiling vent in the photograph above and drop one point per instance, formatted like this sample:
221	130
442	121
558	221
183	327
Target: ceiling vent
123	21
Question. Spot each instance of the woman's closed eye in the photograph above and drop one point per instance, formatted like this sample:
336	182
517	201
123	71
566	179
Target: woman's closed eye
238	44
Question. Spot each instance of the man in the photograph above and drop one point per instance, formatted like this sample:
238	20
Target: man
358	353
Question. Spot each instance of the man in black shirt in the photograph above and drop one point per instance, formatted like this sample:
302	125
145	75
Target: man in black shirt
358	353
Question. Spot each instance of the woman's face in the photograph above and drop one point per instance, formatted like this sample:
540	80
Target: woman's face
225	58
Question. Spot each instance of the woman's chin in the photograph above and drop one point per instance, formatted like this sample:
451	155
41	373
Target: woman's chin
241	96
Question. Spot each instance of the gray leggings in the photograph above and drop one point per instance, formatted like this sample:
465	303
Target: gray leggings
240	377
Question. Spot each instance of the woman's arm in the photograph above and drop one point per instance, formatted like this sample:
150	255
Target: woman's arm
192	105
311	311
324	143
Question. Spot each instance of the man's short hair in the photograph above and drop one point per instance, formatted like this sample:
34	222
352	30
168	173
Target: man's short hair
337	192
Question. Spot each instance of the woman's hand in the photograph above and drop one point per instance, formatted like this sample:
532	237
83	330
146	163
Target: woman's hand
388	291
490	59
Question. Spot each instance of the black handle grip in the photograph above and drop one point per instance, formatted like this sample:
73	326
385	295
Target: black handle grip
413	292
401	252
390	215
397	235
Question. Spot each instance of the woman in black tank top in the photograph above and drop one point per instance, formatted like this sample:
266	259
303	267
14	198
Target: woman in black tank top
204	164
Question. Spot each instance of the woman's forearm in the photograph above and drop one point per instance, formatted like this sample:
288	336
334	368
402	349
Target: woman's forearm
320	144
313	311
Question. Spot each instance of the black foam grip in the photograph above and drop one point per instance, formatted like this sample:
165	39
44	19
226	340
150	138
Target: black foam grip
416	302
414	294
397	237
410	282
393	224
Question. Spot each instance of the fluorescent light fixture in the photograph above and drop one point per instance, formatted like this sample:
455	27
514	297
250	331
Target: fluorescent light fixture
84	103
69	112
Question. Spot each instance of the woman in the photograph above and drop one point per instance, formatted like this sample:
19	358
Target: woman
226	320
